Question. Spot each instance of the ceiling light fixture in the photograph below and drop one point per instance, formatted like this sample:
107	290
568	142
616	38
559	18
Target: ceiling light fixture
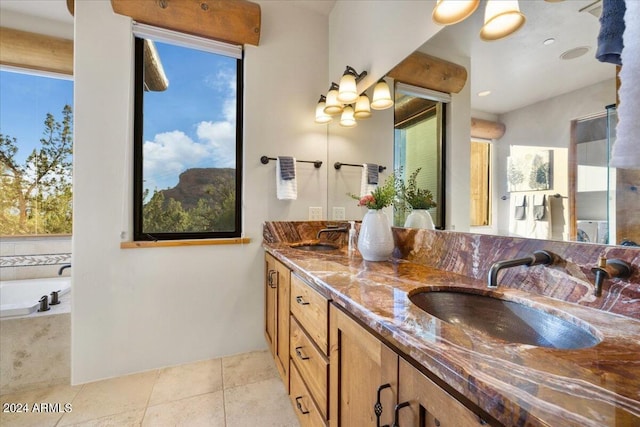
484	93
501	17
449	12
549	41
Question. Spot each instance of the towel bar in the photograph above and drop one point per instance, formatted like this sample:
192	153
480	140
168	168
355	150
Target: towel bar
338	165
316	163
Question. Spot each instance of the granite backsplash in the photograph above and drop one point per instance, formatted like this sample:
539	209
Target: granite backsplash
568	279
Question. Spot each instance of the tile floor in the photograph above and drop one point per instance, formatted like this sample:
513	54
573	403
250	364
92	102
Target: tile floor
236	391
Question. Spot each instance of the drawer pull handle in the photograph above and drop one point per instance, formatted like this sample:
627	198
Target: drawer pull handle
299	353
299	405
270	281
300	301
397	415
377	408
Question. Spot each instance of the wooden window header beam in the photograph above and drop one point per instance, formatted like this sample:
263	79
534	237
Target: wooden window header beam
36	51
231	21
422	70
486	129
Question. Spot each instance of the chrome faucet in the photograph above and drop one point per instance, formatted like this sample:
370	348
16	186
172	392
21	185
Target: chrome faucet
330	229
607	269
538	257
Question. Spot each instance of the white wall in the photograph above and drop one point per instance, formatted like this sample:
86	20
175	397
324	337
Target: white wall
36	24
546	124
369	142
140	309
376	35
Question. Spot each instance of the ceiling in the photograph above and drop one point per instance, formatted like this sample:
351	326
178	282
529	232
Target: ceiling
520	70
55	10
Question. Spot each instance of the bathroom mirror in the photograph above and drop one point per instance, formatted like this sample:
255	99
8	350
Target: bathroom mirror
540	79
419	144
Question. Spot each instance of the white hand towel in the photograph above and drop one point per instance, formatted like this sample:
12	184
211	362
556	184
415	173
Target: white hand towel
365	187
626	149
286	189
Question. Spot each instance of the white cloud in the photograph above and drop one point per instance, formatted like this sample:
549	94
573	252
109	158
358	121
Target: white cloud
169	154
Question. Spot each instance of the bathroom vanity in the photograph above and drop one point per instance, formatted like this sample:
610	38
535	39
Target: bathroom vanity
360	352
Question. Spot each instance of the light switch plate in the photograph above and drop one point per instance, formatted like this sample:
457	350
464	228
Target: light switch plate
338	213
315	213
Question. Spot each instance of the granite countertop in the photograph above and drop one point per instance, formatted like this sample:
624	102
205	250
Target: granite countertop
517	384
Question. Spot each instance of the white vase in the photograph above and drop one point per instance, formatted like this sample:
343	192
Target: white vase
375	241
419	218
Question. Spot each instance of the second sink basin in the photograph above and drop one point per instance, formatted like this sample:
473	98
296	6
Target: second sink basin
506	320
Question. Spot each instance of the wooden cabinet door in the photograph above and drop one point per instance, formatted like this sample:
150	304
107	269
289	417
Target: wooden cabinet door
270	298
429	405
362	369
282	322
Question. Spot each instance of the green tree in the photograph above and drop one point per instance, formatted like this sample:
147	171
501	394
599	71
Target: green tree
41	183
161	217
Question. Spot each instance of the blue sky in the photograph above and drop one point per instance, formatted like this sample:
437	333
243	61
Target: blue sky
191	124
25	100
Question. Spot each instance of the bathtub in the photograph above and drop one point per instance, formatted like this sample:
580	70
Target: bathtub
21	297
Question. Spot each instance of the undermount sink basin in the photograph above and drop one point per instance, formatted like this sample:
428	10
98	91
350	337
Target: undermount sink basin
316	247
506	320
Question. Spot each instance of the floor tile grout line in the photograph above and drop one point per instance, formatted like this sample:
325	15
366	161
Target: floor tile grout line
224	393
146	406
82	386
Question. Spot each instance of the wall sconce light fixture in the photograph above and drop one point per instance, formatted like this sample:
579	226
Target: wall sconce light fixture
363	107
501	17
321	117
347	92
343	99
381	96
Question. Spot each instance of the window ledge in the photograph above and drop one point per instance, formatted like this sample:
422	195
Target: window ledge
193	242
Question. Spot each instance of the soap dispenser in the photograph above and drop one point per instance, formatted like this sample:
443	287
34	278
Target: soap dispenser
352	237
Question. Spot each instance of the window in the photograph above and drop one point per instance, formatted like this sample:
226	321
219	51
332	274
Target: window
419	144
36	138
188	138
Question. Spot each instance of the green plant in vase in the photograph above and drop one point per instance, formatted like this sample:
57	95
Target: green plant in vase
383	195
417	198
418	201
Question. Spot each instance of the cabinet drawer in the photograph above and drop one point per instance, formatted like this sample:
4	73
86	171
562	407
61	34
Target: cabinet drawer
311	310
312	365
429	402
303	405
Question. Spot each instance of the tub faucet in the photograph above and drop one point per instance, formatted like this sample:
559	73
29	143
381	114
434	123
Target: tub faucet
44	303
538	257
607	269
64	267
